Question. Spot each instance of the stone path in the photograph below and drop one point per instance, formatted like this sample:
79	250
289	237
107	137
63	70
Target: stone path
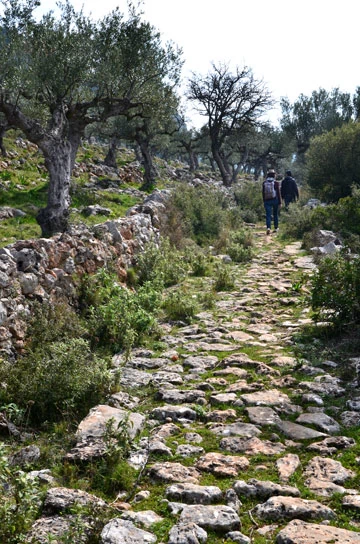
240	440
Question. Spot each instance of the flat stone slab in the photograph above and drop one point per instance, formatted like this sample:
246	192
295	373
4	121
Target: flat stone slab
194	494
124	531
263	489
298	432
262	415
203	346
91	430
174	472
352	501
187	533
282	508
273	397
178	396
218	518
132	378
223	398
201	363
251	446
246	430
187	450
239	336
321	421
222	465
300	532
330	470
176	413
231	371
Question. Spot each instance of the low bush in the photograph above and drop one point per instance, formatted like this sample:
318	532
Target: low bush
248	197
21	500
161	263
224	278
336	291
57	380
119	317
199	213
180	305
240	246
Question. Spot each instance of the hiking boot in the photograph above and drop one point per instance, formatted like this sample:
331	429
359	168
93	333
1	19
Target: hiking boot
276	231
268	231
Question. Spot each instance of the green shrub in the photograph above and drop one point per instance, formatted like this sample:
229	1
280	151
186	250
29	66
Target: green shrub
56	380
201	211
248	197
117	316
224	278
20	503
179	305
333	162
240	246
162	263
50	322
336	291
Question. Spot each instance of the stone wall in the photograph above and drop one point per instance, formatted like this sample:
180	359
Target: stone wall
47	269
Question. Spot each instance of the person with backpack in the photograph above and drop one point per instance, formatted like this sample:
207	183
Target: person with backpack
289	189
272	200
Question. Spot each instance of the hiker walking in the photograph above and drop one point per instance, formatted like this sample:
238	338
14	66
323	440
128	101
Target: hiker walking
289	189
272	200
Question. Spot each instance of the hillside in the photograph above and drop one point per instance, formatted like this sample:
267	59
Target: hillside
199	404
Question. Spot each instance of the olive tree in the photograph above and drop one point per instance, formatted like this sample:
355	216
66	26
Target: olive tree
312	115
60	74
333	162
231	102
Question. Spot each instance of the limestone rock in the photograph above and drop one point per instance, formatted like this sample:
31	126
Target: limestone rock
194	494
287	465
222	465
263	489
300	532
281	508
124	531
173	472
218	518
187	533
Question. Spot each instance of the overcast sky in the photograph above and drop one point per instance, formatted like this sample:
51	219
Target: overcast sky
293	46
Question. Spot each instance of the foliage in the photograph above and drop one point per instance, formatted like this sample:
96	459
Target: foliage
119	317
162	263
204	211
57	379
333	162
248	196
113	473
20	501
240	246
51	321
224	278
313	115
342	218
180	305
336	291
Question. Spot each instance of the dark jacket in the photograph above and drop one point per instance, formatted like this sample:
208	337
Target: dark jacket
289	189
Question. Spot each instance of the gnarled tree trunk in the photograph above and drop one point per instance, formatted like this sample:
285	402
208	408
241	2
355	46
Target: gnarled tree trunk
54	218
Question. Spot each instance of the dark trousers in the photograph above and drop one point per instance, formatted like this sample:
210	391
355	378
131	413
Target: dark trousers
272	212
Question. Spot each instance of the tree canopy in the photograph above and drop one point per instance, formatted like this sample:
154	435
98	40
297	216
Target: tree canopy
60	74
333	162
231	102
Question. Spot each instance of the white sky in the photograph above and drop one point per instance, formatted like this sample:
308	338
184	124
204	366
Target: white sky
294	46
